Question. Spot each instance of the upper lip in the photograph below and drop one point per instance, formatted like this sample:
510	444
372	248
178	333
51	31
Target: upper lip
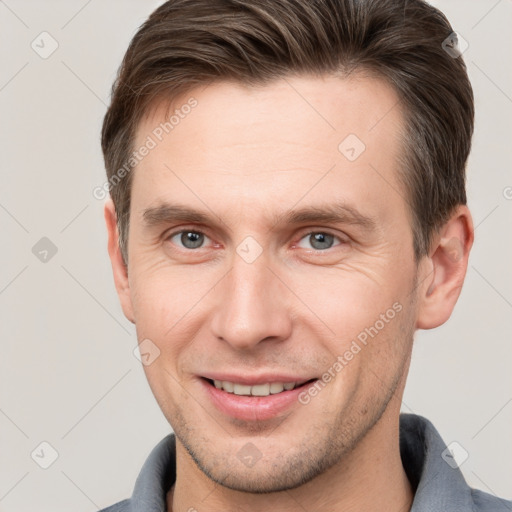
253	380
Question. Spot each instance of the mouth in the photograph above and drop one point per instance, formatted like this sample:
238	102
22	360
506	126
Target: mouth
264	389
257	401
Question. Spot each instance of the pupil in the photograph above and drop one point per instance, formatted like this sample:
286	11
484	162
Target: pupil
321	240
191	240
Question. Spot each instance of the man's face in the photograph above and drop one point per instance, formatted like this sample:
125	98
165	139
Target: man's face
257	293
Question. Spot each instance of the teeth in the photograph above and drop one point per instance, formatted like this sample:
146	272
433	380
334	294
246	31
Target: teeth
276	387
240	389
228	386
270	388
260	390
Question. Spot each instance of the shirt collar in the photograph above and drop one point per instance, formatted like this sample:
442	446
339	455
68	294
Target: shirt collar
437	484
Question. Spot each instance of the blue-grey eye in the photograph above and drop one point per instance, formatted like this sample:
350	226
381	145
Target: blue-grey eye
319	240
190	239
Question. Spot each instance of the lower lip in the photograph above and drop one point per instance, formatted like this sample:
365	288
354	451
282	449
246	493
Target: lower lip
253	408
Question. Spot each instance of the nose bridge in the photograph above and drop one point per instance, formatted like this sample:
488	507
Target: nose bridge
252	306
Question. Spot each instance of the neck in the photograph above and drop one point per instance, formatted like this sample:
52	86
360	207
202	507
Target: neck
371	478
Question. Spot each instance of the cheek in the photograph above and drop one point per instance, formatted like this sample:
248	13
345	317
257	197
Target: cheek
347	300
169	304
163	294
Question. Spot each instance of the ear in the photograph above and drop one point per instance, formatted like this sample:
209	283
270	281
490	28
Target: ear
445	270
119	268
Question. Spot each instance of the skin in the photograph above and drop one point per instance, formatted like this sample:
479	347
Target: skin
246	156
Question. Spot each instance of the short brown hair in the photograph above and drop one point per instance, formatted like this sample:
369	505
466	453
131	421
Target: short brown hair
186	43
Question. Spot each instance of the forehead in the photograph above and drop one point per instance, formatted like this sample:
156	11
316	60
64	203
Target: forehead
325	104
268	143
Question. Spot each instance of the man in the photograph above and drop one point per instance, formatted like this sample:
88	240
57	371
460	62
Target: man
288	208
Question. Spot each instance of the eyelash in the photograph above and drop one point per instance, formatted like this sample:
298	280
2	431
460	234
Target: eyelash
304	235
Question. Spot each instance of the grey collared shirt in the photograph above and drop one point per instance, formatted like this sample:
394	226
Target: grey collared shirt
433	473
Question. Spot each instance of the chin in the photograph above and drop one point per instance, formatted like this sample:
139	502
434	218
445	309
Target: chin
274	466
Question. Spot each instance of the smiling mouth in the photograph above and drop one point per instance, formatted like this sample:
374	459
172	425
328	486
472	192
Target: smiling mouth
257	390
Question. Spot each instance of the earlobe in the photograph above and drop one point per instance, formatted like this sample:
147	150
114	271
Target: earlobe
119	268
444	275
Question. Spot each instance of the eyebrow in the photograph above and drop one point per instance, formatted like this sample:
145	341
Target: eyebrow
170	213
335	213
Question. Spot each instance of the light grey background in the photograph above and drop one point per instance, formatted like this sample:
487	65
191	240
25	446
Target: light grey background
68	373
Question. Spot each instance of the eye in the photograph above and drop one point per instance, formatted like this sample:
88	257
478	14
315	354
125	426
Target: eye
319	240
188	239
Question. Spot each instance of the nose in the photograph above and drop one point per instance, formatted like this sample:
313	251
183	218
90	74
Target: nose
252	305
